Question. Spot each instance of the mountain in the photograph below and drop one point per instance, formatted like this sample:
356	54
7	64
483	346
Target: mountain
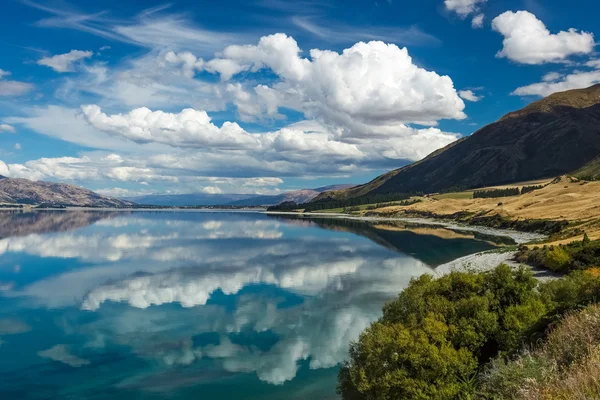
201	199
190	199
557	135
24	191
297	196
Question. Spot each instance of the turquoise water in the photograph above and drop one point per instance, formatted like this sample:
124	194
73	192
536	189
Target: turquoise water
197	305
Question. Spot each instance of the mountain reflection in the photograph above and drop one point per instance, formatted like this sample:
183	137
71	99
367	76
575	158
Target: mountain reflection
434	245
199	302
21	223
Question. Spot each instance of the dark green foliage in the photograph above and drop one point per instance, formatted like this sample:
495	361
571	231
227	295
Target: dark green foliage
359	201
492	193
577	289
432	339
392	199
586	239
436	340
285	206
563	258
527	189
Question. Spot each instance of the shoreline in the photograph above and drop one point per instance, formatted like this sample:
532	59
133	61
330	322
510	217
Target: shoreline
519	237
488	260
482	261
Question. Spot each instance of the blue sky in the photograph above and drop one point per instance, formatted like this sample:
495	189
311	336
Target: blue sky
269	95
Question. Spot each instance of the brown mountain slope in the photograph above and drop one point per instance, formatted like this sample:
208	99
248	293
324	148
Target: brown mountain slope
24	191
553	136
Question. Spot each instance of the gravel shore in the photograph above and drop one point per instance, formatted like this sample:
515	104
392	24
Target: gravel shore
489	260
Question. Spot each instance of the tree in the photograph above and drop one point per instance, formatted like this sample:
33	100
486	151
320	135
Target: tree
586	238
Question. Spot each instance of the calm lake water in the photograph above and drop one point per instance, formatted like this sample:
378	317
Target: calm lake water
197	305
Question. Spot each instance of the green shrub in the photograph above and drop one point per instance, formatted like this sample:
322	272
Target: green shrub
432	339
574	256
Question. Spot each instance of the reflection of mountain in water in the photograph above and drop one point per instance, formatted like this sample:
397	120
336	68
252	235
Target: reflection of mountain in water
22	223
430	244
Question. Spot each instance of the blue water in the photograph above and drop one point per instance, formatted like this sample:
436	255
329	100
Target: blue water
196	305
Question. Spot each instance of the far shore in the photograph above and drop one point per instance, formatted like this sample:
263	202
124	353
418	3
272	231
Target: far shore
474	262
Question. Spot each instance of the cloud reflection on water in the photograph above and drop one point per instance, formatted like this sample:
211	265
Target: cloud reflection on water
271	296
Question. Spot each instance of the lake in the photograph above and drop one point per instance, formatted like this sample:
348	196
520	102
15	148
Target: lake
198	305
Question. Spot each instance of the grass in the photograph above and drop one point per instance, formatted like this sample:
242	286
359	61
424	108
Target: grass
565	367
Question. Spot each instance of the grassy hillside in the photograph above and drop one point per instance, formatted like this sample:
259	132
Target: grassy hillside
562	199
556	135
590	171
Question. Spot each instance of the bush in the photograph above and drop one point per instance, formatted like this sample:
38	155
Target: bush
577	255
432	339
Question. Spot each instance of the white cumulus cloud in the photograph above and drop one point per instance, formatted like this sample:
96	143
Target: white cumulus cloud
369	84
469	95
7	128
477	21
463	7
528	41
188	128
574	80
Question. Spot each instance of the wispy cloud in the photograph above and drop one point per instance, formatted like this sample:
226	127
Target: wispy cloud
341	33
151	28
294	7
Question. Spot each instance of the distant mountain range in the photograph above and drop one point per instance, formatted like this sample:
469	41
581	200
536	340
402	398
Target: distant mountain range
557	135
240	200
24	191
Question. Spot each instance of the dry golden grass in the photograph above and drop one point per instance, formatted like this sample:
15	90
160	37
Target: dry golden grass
573	347
582	382
566	367
566	199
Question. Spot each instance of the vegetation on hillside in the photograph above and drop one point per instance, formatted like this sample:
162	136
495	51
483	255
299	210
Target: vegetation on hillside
492	193
577	255
432	340
473	335
507	192
326	205
566	366
528	189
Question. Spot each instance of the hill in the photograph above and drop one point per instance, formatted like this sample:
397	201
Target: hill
297	196
189	199
24	191
557	135
201	199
